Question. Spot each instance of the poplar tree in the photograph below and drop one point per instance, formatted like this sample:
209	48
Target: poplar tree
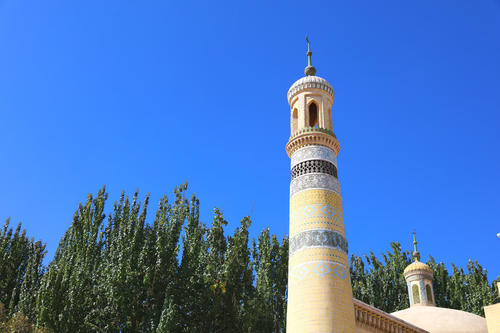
193	292
67	292
270	261
381	283
21	270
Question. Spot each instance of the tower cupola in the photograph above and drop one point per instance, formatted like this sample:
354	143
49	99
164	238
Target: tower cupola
418	276
311	99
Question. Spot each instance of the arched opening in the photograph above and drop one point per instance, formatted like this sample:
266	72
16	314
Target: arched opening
295	120
428	291
313	115
415	294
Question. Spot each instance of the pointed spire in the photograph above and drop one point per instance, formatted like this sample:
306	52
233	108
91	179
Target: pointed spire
310	70
416	254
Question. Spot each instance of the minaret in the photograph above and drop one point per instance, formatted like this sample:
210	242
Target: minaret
419	280
319	285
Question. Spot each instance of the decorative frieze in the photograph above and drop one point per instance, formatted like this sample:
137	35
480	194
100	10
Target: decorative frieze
313	153
314	166
319	268
314	181
317	238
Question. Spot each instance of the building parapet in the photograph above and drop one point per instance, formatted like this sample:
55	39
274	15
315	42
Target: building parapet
375	320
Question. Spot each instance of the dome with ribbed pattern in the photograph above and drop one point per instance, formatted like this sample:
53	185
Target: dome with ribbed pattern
306	82
417	266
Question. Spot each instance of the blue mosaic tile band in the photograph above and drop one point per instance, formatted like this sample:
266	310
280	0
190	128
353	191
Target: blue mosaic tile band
317	238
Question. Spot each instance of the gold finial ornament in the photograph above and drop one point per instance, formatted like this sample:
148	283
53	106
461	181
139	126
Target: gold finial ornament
416	254
310	70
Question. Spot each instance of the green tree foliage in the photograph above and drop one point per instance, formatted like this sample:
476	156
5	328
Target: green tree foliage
21	271
122	272
381	283
192	294
469	290
68	289
271	266
172	275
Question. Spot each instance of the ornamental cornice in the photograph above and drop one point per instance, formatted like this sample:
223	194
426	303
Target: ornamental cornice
312	138
418	275
377	320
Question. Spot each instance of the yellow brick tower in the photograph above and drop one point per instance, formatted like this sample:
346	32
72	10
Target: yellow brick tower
319	285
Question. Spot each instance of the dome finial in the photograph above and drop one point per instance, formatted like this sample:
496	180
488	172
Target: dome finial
310	70
416	254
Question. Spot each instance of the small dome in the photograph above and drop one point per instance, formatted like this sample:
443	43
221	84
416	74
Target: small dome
417	266
310	82
442	320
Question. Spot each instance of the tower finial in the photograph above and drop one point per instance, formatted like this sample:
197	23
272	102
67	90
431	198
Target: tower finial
310	70
416	254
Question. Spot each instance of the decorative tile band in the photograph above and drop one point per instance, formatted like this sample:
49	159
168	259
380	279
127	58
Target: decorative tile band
314	181
316	196
313	153
317	238
335	224
319	268
316	212
319	253
314	166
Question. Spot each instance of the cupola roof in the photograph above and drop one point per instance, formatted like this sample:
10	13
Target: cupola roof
417	266
306	82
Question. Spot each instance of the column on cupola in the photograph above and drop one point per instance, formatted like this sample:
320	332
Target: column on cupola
319	285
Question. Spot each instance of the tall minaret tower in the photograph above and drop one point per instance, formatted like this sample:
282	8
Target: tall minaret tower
319	285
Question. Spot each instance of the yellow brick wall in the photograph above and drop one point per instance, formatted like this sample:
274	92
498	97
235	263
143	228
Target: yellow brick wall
492	313
319	286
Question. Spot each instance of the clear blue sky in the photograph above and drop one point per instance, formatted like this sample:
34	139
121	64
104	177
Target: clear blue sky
148	94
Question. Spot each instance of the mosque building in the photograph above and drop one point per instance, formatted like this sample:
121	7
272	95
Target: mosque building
319	287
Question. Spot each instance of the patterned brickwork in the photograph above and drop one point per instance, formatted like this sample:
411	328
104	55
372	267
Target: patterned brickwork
319	287
321	302
321	268
316	209
313	181
317	238
313	153
314	166
324	254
